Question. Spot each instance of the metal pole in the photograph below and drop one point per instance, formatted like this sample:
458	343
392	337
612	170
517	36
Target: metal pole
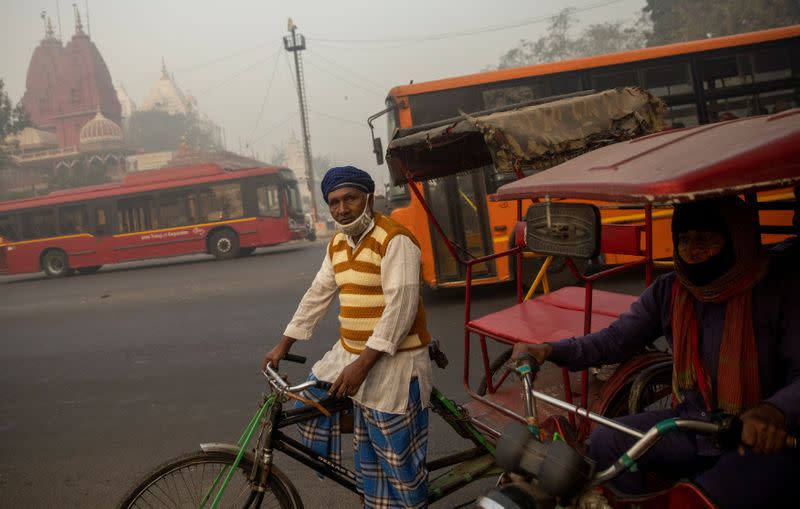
296	47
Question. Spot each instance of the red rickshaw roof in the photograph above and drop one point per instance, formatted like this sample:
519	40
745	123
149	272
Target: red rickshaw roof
733	157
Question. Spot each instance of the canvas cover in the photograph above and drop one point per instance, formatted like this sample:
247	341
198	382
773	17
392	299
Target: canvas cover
533	137
734	157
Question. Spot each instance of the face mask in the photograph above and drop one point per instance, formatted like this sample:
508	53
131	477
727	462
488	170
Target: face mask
704	273
358	226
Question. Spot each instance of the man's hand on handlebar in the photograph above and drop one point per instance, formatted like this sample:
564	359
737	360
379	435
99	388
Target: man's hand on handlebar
764	429
539	352
277	353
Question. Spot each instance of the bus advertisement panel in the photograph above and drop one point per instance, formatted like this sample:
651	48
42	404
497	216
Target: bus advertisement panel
700	82
151	214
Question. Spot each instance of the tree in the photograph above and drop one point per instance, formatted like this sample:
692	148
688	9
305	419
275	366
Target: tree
12	120
558	44
278	156
687	20
79	175
156	131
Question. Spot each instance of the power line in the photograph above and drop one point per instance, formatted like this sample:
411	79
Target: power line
346	80
271	129
266	96
236	75
224	57
341	119
349	71
463	33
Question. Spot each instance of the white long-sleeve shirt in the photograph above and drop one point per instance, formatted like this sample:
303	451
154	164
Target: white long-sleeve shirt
386	386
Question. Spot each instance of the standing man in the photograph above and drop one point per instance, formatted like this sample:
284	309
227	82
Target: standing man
381	358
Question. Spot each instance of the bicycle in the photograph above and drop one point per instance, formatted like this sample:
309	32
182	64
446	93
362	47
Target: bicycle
234	475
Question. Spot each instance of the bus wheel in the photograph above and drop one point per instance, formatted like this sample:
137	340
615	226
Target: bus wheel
89	270
224	245
55	263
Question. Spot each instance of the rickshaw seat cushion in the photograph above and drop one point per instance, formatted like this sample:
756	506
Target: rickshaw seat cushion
603	302
551	317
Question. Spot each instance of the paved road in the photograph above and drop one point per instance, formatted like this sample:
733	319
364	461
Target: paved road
104	376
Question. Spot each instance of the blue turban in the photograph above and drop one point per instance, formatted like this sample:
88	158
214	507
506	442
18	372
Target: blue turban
346	176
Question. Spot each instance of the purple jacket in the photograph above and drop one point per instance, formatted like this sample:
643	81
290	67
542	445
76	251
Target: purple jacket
776	315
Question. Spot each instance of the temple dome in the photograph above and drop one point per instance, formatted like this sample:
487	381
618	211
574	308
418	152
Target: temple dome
100	132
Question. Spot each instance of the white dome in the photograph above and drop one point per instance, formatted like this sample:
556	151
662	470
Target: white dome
100	131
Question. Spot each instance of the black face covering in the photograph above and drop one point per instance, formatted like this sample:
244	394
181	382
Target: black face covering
703	273
701	216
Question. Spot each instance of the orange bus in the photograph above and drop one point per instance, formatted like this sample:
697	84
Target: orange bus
700	81
151	214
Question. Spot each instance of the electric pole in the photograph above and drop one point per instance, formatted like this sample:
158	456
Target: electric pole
297	43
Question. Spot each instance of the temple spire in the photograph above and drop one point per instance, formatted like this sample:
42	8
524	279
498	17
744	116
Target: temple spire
78	24
164	72
49	32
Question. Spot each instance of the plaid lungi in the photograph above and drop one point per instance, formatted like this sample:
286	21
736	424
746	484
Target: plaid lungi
322	435
390	451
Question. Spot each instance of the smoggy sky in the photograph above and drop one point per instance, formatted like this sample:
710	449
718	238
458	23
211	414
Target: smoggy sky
230	56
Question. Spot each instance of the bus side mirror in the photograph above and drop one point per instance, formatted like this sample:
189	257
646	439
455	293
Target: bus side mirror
563	229
377	148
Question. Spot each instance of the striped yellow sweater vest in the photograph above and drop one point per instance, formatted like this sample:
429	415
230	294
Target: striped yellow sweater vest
361	297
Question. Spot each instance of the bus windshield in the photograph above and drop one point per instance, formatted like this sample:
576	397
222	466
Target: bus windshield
293	200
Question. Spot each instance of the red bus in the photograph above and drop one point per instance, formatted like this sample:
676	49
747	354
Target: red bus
151	214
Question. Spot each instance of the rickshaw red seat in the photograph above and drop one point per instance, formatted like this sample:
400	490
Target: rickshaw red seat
603	303
551	317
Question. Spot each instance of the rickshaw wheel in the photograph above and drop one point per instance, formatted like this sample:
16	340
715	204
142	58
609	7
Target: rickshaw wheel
497	369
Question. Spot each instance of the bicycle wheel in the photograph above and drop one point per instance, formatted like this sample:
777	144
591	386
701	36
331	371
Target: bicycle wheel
652	389
498	369
184	481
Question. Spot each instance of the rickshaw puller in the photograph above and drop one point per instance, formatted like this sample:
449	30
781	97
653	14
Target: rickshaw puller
734	328
381	358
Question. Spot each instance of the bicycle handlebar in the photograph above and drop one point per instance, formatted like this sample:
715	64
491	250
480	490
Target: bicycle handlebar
299	359
277	381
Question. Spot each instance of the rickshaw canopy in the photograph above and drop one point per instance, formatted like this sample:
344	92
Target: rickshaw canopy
733	157
532	137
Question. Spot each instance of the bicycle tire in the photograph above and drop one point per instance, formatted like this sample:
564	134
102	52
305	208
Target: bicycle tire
182	482
651	389
494	369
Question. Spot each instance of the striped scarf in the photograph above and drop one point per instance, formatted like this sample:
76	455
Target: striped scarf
737	386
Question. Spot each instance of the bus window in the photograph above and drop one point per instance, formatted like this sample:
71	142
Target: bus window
218	202
102	222
729	108
269	201
38	224
503	96
746	68
682	115
668	80
778	101
136	214
74	219
8	228
173	209
673	84
608	80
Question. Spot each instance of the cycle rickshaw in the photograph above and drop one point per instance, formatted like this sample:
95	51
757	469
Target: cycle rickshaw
756	157
260	483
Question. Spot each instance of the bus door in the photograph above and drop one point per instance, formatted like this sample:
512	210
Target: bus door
459	204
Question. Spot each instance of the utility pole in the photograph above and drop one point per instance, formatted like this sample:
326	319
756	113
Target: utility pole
297	43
